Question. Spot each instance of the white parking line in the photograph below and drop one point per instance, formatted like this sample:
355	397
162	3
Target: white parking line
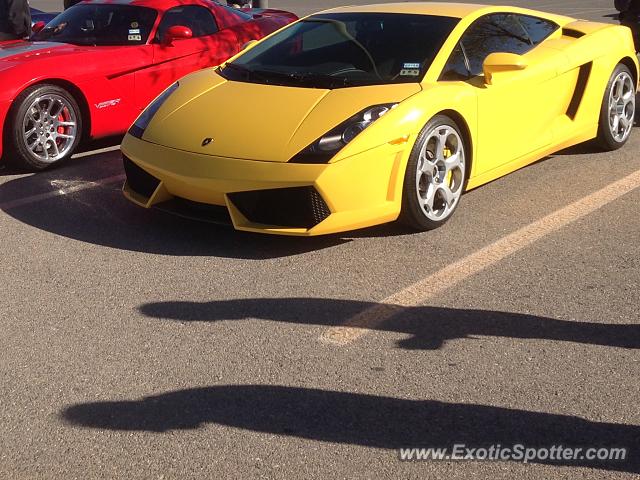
64	187
96	152
457	272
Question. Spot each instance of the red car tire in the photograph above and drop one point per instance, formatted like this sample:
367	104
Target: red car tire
45	127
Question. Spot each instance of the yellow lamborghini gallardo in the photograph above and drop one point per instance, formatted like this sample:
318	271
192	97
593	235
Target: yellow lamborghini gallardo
363	115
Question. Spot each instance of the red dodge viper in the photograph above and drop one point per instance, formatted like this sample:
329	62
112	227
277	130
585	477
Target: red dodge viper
90	71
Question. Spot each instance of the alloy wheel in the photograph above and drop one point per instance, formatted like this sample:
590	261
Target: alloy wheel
440	172
50	128
622	106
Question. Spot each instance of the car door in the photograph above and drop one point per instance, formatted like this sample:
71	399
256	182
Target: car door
106	45
514	112
182	56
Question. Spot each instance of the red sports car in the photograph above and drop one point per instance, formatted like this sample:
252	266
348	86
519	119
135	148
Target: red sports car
91	70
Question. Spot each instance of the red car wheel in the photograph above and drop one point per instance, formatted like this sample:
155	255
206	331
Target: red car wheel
47	126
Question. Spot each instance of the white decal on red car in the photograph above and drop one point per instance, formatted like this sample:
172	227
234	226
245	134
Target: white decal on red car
108	103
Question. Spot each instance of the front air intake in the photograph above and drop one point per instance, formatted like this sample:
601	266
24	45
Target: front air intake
295	207
202	212
139	181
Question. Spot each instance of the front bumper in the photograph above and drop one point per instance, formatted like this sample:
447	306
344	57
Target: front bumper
4	110
268	197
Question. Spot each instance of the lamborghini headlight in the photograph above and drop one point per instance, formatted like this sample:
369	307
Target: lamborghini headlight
142	122
326	147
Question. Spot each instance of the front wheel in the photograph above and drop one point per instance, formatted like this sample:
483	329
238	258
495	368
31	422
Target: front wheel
618	110
46	127
435	175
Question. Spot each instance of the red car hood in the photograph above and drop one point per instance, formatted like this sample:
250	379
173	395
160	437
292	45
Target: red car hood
22	51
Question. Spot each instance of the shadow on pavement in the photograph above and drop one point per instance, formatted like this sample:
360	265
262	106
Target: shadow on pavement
100	215
358	419
7	168
429	328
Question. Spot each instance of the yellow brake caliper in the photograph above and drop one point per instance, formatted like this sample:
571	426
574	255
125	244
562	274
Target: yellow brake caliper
447	153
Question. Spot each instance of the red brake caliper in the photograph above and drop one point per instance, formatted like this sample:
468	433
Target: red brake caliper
61	129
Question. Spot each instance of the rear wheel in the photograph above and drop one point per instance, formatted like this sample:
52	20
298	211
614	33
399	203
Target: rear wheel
618	110
435	175
46	127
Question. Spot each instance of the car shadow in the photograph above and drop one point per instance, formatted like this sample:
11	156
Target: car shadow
427	328
359	419
100	215
84	150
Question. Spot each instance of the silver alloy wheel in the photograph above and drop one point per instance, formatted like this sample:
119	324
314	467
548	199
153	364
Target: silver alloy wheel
622	106
441	169
49	128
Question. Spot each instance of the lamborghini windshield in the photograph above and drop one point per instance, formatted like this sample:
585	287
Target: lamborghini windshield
344	50
100	25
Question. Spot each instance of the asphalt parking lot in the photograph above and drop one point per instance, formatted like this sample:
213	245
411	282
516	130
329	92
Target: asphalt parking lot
139	345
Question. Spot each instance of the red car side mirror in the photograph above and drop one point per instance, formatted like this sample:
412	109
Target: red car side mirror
177	32
38	26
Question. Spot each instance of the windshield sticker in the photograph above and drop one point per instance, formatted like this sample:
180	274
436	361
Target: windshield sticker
133	31
410	72
135	38
410	69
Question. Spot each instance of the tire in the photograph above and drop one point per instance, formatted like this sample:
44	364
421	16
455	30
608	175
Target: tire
617	114
435	176
45	127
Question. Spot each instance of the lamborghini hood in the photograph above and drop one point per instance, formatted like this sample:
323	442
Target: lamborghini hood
255	121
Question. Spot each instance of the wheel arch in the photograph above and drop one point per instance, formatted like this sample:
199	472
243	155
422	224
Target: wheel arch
70	87
631	65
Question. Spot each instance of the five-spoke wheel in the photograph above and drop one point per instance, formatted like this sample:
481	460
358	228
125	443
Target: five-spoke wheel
618	109
435	175
622	102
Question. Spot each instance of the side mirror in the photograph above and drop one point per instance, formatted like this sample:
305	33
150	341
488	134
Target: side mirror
177	32
38	26
248	44
502	62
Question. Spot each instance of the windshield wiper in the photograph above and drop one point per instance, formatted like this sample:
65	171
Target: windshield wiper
246	71
317	80
307	78
237	68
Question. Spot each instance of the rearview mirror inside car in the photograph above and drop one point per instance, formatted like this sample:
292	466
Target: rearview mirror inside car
502	62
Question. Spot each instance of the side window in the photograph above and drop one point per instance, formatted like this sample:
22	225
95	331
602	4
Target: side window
456	68
537	28
494	33
199	19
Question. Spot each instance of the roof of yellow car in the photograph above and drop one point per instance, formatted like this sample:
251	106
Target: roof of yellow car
455	10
